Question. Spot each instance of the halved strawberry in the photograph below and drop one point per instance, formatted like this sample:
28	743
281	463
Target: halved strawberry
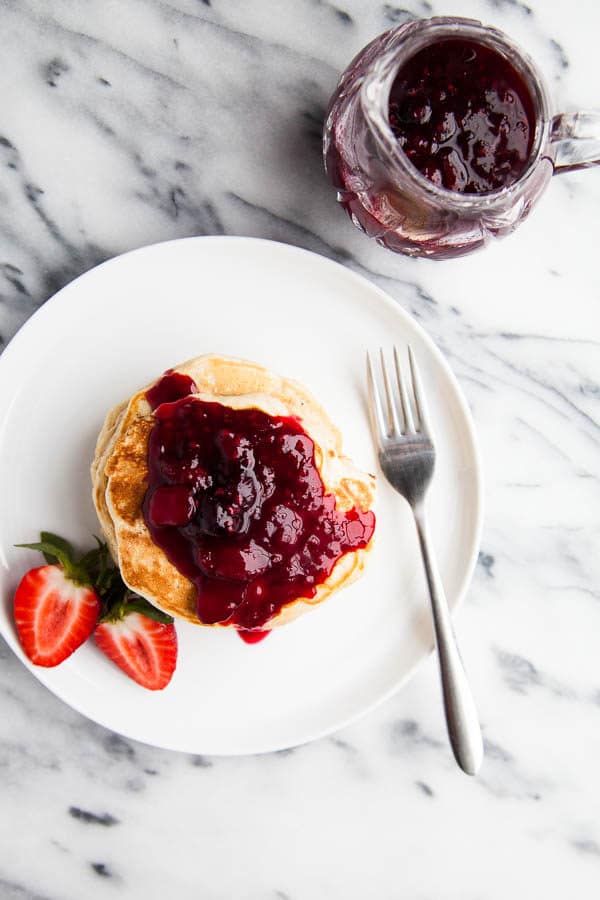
145	649
54	615
58	605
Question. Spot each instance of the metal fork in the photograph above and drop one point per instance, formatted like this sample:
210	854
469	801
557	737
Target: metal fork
407	458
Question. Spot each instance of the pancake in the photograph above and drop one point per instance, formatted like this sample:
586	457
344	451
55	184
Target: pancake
120	479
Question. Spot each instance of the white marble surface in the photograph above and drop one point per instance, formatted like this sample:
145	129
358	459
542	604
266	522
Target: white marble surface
130	121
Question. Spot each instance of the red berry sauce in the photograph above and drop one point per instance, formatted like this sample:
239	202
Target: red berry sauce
236	502
252	637
463	116
172	386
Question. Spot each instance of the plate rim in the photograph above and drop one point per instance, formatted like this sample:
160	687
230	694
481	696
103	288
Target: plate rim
46	309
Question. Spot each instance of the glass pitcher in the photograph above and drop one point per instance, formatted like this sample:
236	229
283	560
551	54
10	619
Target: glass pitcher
389	199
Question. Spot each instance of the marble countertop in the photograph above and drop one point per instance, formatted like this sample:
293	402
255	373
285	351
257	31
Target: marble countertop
125	123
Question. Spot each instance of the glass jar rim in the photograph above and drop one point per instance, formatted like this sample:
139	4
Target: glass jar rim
377	84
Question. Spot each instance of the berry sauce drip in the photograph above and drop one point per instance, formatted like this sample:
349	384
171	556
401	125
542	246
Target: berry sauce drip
252	637
236	502
172	386
463	116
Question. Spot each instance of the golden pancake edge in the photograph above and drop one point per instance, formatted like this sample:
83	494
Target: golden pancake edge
120	470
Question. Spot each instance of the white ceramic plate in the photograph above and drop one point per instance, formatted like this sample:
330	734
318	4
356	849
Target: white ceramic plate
118	327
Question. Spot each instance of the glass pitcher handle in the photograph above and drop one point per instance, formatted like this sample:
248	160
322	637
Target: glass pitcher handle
576	141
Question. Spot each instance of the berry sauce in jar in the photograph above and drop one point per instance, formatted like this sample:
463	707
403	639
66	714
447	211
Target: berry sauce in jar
463	116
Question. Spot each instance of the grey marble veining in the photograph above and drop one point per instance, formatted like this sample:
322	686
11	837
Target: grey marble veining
124	123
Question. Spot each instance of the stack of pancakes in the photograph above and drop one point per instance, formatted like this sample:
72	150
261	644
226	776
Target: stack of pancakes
120	479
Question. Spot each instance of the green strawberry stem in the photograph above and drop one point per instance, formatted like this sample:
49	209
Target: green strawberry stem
53	553
96	569
131	603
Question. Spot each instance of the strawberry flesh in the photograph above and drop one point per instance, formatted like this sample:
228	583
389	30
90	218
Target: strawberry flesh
53	615
144	649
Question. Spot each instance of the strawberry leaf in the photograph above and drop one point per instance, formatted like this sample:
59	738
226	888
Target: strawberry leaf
60	543
91	560
96	562
55	554
133	603
97	569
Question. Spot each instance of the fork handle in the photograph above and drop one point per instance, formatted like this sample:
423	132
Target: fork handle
461	714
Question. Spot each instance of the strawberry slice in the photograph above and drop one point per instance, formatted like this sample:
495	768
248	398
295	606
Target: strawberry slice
54	614
145	649
58	606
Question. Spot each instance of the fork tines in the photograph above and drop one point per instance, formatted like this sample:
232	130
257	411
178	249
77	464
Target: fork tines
404	409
